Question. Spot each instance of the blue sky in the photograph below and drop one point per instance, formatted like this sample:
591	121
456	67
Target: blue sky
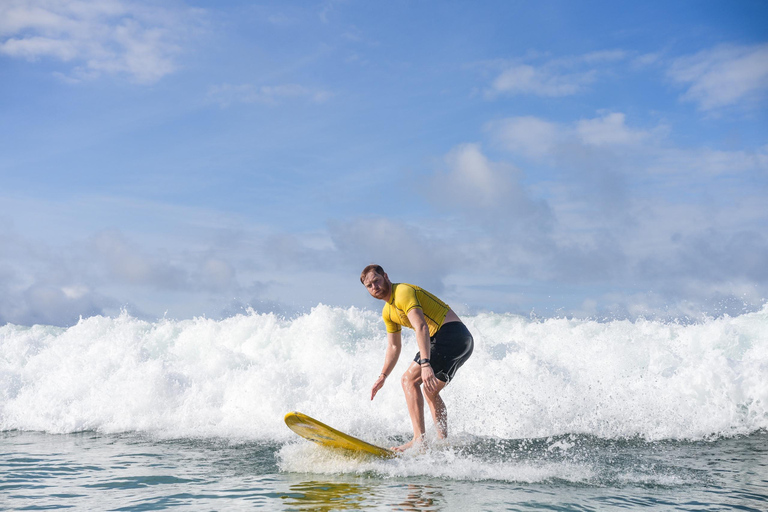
563	158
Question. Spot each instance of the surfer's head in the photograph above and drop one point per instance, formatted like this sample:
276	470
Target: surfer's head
376	282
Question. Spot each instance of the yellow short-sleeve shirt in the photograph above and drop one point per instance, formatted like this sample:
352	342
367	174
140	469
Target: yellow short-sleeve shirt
404	298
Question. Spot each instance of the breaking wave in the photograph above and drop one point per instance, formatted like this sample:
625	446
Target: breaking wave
528	378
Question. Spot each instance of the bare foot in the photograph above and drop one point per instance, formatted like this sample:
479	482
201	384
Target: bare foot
413	443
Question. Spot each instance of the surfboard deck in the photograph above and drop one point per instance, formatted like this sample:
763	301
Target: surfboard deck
310	428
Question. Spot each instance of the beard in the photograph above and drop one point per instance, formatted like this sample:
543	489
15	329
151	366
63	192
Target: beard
384	292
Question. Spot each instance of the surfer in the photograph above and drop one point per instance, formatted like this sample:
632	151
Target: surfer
444	343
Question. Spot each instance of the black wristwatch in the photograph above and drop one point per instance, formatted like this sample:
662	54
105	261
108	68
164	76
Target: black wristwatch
422	361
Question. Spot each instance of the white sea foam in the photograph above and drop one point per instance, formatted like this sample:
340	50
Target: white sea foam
446	463
236	378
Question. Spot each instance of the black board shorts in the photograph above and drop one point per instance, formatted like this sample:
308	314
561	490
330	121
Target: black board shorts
451	346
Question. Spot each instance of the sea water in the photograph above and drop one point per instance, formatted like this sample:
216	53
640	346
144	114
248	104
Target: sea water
557	414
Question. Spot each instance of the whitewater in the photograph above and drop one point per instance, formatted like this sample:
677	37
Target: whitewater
572	407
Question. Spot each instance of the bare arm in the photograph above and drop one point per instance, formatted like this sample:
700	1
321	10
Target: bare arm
419	323
394	344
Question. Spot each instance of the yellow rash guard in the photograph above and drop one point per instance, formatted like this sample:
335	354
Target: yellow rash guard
404	298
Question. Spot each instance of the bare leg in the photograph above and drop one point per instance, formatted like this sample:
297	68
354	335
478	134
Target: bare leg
439	412
411	382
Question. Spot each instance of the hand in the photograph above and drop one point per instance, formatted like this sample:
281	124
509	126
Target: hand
378	385
428	378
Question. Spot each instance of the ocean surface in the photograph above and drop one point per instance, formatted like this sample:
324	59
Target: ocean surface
548	414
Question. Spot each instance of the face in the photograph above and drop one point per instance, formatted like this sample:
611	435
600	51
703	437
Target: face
377	285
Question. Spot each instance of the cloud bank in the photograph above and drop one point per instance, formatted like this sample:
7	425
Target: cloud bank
605	233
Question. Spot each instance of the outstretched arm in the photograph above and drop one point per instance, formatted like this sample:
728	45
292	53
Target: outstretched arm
394	344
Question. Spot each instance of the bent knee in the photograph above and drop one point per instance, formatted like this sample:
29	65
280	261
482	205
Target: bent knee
408	381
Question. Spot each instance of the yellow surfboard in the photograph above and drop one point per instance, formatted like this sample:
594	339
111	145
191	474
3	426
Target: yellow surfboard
310	428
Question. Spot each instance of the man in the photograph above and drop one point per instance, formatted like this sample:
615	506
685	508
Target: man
444	345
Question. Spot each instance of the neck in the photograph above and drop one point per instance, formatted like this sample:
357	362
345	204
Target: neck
389	295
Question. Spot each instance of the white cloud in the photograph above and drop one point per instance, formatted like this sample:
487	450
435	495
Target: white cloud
327	7
525	79
675	230
723	76
709	162
404	250
480	181
606	138
539	139
217	274
647	59
227	94
557	77
115	37
486	190
33	47
95	255
608	130
490	228
124	262
530	136
490	199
